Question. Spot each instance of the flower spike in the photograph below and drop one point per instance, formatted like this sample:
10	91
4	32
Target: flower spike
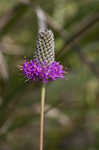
43	67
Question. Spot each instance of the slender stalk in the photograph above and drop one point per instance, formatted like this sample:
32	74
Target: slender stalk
42	116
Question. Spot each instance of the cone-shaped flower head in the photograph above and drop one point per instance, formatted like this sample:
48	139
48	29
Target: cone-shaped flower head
44	51
43	67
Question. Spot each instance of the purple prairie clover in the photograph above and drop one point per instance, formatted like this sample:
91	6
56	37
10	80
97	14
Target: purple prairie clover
43	67
36	71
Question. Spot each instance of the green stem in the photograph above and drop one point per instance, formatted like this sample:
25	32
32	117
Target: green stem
42	116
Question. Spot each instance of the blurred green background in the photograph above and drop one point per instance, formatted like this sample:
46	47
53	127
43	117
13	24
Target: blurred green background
72	116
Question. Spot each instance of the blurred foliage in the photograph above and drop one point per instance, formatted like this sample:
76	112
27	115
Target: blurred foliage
72	116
